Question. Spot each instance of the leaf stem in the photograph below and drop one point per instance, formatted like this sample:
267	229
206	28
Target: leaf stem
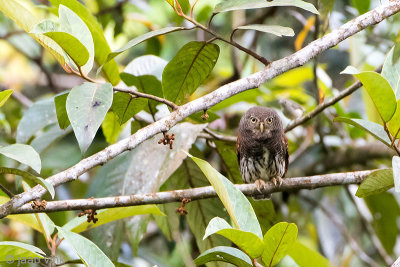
391	138
148	96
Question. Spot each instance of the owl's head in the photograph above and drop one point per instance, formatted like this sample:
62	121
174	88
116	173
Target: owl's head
260	123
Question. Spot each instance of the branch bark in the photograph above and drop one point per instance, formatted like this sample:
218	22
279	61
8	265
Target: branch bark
253	81
288	184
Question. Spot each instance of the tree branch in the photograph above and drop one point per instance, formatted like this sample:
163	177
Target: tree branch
205	102
288	184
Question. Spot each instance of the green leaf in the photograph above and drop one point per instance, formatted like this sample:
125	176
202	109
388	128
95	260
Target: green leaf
225	254
361	5
71	45
4	95
274	29
373	128
47	138
110	70
188	70
41	114
111	128
146	65
80	224
24	154
248	242
394	123
378	89
143	38
305	256
391	69
26	175
188	175
89	253
27	21
11	251
228	5
396	172
385	213
227	152
125	106
377	182
60	102
278	241
235	202
146	84
71	23
87	106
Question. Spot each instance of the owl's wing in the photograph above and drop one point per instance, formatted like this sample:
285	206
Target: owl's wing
285	140
238	148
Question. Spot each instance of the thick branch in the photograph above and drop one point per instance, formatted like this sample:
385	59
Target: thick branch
288	184
253	81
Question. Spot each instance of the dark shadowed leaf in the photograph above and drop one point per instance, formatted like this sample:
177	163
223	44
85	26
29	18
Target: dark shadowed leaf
378	89
377	182
87	106
237	205
143	38
361	5
278	241
373	128
225	254
188	175
125	106
385	212
188	69
228	5
60	102
146	84
305	256
274	29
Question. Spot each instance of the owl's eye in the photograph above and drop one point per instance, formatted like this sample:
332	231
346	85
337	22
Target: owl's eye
253	120
269	120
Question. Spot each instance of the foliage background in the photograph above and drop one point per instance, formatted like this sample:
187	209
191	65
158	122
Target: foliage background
319	146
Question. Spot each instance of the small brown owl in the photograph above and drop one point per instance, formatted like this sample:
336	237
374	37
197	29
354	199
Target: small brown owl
262	148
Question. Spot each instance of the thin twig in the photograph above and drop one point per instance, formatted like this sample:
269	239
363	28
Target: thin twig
148	96
5	190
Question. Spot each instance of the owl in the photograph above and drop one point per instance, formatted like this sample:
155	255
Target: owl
262	148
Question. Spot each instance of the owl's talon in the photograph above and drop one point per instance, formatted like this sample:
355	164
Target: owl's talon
260	185
277	181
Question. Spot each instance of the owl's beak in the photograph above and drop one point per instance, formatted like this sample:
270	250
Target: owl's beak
262	127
